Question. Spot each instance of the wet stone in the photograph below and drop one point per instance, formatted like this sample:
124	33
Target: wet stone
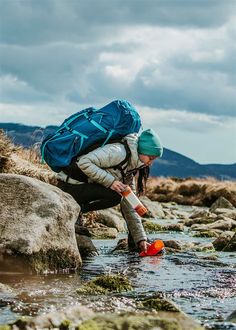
174	227
173	244
160	304
106	283
222	241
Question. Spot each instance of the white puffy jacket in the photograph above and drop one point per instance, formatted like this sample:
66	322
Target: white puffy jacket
97	165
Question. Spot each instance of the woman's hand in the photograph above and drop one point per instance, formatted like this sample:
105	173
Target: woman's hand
118	186
143	245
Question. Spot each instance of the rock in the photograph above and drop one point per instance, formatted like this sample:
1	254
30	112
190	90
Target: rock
221	202
223	240
37	226
211	257
200	214
203	247
232	317
81	230
207	233
168	214
203	220
103	232
72	316
172	244
231	245
155	209
111	218
160	304
180	214
226	212
224	224
86	246
148	321
82	318
5	289
199	227
122	245
174	227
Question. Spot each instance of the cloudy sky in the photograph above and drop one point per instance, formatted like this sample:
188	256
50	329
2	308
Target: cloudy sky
173	59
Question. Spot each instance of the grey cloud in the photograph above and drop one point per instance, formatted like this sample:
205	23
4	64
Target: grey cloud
73	72
171	86
182	89
55	49
14	91
33	22
53	68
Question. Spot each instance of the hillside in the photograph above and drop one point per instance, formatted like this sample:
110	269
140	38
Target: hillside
172	164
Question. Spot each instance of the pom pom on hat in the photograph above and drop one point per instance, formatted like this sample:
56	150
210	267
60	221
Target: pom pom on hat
149	144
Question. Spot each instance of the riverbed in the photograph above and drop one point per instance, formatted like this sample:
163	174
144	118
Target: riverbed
203	288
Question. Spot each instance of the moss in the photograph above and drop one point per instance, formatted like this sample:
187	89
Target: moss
5	327
160	305
106	283
205	234
51	260
65	325
151	227
131	322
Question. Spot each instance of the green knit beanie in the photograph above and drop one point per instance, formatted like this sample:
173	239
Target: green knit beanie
149	144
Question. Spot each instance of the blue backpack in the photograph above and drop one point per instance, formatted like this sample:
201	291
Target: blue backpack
87	128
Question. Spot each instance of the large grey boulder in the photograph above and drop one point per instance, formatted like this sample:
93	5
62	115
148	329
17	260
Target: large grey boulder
36	226
80	317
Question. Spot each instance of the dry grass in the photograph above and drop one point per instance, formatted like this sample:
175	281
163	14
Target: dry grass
191	191
22	161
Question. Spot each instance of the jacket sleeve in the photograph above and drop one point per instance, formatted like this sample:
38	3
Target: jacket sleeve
94	163
133	220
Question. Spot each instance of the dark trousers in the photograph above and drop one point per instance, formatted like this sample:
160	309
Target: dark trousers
91	196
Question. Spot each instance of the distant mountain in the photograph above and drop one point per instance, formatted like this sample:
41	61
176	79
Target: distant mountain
171	164
177	165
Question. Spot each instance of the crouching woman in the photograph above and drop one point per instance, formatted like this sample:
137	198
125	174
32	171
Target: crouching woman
97	179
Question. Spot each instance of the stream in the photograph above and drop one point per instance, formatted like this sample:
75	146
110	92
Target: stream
204	289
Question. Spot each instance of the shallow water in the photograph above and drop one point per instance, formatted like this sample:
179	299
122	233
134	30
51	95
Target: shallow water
204	289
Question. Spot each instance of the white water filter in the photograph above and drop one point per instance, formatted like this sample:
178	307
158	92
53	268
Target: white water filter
134	201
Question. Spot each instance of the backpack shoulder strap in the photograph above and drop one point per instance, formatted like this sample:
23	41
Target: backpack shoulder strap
128	154
124	161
